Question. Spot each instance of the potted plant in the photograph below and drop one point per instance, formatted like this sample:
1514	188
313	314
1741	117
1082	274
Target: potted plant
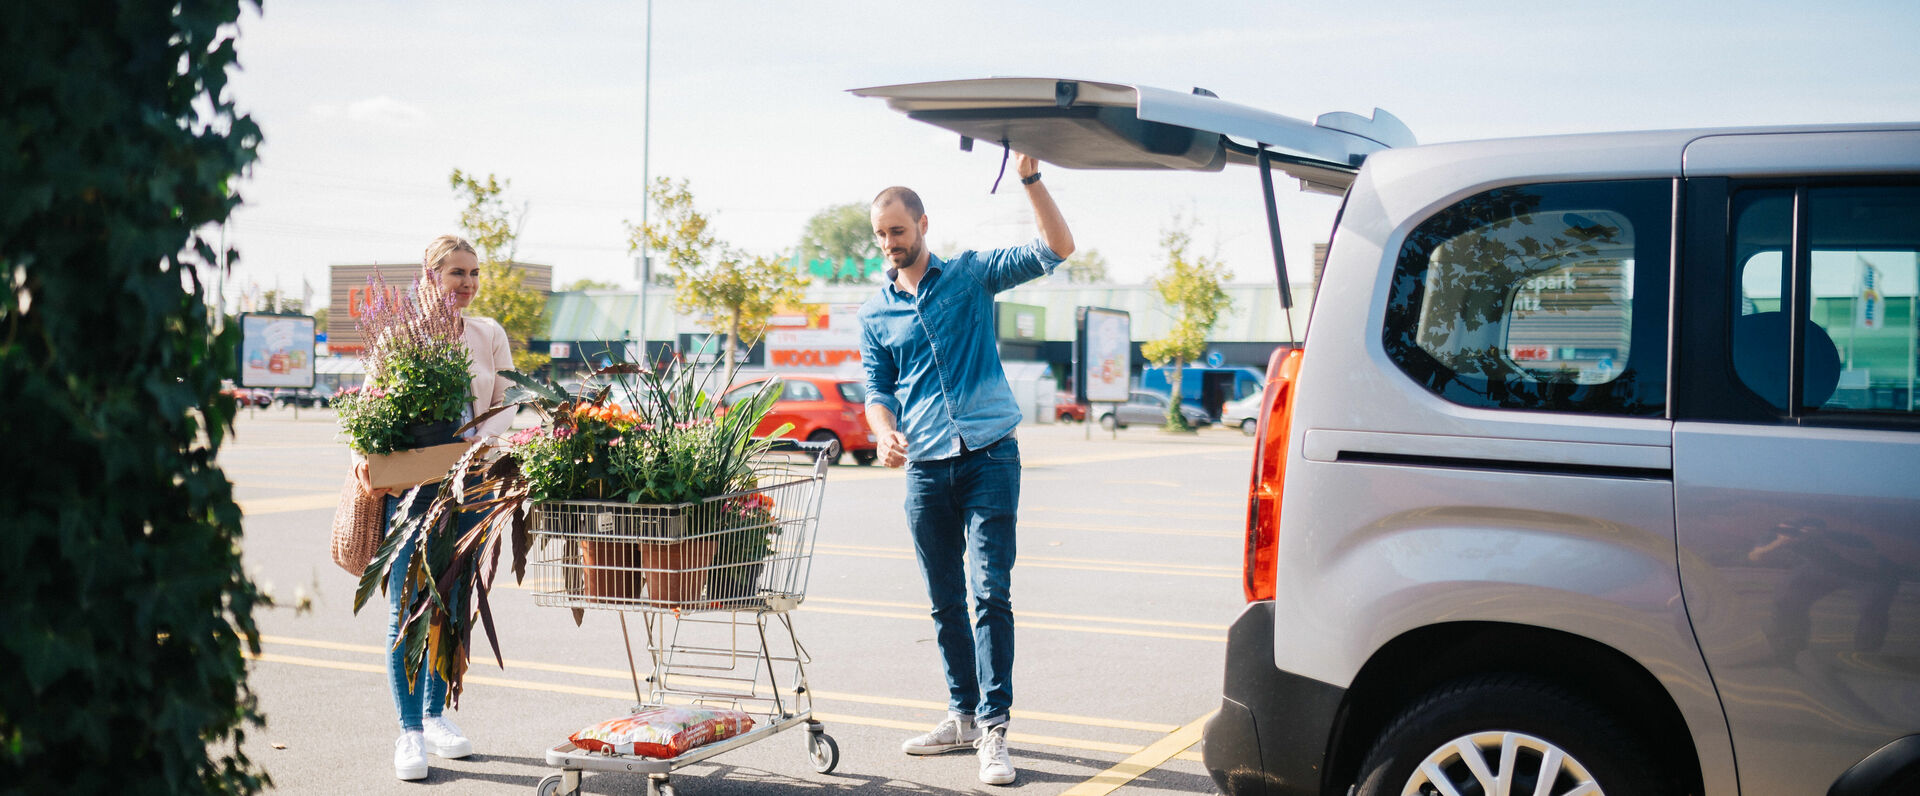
418	385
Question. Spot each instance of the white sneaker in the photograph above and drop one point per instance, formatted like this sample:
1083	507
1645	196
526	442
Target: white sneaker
410	755
953	734
445	739
996	765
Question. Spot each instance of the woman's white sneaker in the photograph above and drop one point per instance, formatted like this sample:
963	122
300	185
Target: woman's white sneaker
996	765
410	755
445	739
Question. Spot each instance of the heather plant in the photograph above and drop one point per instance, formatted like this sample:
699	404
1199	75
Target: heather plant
417	366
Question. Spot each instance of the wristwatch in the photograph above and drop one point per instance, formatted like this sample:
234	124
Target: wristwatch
1030	180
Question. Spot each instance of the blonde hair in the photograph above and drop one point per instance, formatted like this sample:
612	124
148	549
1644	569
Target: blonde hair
443	247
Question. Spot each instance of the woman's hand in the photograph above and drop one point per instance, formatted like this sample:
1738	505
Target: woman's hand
366	481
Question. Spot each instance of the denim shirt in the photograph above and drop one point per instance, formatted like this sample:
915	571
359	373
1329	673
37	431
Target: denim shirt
932	359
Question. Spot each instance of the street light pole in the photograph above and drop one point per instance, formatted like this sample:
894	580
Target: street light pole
644	265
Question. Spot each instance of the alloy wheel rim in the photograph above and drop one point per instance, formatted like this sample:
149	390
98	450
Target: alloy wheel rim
1500	763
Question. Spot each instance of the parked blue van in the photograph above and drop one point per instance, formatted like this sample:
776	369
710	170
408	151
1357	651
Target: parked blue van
1206	389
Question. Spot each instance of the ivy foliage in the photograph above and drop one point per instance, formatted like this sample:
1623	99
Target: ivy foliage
123	607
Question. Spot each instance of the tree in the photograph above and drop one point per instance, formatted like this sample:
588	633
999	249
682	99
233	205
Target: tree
838	245
588	284
1085	267
124	605
320	321
737	292
1190	287
286	303
494	228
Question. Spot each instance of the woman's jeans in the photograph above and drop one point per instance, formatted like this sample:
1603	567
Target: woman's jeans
962	512
430	700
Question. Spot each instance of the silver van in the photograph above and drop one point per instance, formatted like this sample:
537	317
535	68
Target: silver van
1599	471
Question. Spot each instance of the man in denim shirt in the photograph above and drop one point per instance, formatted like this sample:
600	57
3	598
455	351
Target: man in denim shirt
939	403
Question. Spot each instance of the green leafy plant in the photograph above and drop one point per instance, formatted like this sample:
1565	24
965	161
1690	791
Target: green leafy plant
125	614
417	367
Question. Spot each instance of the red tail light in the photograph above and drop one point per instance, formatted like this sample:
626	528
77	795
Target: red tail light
1269	473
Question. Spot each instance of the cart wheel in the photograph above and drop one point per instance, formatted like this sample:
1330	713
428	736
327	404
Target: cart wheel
824	753
657	786
551	787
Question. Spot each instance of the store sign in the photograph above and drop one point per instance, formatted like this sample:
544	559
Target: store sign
1870	311
816	337
560	350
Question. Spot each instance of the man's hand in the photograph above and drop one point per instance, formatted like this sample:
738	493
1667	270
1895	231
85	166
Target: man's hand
1025	165
893	448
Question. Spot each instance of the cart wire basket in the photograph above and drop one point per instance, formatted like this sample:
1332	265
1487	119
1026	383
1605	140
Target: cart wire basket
713	583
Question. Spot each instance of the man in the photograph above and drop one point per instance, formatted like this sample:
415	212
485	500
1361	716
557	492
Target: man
939	403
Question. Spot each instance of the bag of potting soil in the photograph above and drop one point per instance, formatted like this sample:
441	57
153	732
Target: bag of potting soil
665	732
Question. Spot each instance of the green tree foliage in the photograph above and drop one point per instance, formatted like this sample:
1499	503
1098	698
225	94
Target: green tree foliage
320	321
1190	287
124	611
1086	266
838	245
494	228
739	293
589	284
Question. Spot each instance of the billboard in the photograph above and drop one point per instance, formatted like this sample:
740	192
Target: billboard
276	350
1103	355
821	338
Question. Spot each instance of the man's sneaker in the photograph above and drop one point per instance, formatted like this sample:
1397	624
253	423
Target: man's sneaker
410	755
445	739
996	766
955	733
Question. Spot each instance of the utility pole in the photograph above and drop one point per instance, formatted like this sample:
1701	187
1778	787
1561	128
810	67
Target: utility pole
644	264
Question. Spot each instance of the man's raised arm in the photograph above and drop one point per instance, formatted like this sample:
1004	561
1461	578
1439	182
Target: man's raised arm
1053	226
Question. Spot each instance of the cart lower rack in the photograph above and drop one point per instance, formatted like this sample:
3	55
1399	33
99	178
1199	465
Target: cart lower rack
712	584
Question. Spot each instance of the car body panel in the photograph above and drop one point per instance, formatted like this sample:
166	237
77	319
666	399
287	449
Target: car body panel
823	408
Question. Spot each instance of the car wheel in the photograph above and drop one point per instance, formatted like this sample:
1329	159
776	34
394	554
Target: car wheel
865	458
1506	734
1108	422
824	435
1250	426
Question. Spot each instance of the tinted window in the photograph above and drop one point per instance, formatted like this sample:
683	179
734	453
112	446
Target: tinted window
800	391
739	394
1550	297
852	393
1861	342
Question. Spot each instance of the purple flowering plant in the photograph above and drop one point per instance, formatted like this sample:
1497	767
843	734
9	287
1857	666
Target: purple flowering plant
417	366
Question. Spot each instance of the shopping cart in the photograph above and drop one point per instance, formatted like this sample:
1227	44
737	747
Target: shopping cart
713	584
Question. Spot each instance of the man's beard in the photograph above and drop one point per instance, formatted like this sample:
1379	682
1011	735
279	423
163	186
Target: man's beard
911	255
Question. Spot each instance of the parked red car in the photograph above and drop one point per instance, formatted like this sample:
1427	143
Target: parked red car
821	408
1065	410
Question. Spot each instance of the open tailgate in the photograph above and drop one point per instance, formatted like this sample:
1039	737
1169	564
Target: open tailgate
1084	124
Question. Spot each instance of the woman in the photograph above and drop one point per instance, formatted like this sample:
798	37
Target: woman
450	268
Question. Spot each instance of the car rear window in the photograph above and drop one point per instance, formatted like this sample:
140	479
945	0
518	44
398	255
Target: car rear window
1549	297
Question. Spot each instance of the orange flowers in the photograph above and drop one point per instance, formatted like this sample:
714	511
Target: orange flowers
611	415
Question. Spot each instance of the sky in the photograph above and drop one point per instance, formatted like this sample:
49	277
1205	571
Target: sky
368	105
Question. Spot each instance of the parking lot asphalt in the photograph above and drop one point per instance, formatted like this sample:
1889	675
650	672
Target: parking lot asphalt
1127	578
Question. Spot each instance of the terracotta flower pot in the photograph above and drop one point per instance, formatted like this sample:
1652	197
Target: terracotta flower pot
677	569
612	569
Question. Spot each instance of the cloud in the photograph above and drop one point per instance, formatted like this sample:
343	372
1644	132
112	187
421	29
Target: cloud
382	111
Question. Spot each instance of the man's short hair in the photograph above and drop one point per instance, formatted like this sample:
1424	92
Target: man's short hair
907	199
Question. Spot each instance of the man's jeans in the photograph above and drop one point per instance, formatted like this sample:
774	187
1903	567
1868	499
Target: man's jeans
962	512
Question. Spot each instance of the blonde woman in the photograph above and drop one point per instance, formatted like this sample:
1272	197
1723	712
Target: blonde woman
450	268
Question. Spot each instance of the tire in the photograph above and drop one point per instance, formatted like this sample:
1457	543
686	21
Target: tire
822	752
1109	422
1499	714
866	458
1250	426
824	435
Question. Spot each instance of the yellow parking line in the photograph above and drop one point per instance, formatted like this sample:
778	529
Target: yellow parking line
1027	559
1025	614
825	696
1025	625
1155	755
1041	740
1068	526
286	503
1189	515
1044	563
